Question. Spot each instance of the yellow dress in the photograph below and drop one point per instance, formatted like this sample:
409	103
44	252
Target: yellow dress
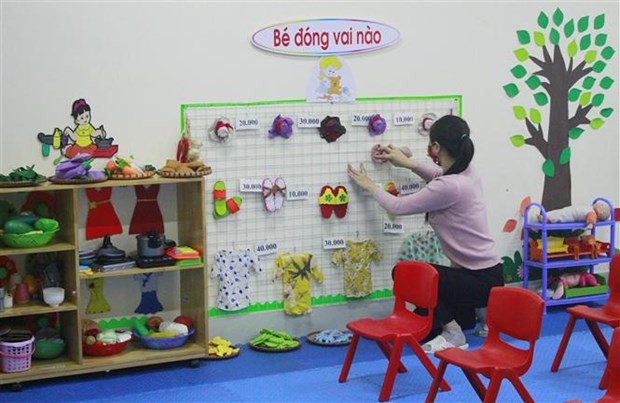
296	272
356	259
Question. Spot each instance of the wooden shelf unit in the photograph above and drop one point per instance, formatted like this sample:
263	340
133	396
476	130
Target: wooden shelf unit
190	205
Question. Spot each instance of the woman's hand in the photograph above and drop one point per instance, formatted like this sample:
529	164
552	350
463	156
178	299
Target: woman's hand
361	178
395	156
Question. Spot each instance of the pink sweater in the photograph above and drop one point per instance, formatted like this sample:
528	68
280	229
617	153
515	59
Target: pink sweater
457	213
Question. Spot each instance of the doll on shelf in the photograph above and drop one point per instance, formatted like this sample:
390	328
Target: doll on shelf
599	211
570	280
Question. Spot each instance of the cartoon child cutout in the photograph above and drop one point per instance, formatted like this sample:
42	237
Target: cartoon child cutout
332	81
84	133
330	67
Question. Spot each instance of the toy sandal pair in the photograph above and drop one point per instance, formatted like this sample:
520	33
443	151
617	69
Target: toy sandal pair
223	207
333	200
274	193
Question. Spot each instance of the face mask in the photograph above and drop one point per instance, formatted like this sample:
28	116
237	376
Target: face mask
432	155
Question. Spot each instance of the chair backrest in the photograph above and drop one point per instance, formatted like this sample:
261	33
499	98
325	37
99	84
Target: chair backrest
516	312
613	280
417	283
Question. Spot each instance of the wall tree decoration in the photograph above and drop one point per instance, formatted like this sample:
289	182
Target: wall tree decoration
561	64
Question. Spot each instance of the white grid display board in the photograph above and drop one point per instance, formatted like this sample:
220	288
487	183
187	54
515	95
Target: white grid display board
307	162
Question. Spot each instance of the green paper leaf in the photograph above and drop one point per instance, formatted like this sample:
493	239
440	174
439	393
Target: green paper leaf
518	71
582	24
533	82
558	17
606	83
511	90
523	37
522	54
565	156
539	38
572	48
599	66
599	21
569	28
519	112
548	168
596	123
517	140
554	36
541	98
535	116
584	99
575	132
585	42
590	56
608	53
543	20
573	94
600	39
607	112
598	99
588	82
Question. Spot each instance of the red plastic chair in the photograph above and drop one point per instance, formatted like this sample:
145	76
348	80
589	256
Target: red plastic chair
515	312
613	370
608	314
415	283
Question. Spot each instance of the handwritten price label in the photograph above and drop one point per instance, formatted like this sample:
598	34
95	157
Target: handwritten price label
250	185
308	122
361	119
409	187
267	248
334	243
392	228
247	123
296	194
403	119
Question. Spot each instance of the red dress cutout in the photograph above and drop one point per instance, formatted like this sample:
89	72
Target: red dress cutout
146	215
101	219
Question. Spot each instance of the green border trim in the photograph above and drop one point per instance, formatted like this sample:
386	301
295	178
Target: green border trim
315	301
459	98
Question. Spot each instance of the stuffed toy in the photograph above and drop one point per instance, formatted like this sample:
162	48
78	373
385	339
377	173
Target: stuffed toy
570	280
592	214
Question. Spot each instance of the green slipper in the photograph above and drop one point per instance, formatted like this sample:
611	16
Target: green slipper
219	200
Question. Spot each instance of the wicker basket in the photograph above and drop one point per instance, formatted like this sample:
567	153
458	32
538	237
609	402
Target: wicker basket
28	240
16	355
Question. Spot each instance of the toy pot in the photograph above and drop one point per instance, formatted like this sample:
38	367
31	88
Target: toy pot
21	293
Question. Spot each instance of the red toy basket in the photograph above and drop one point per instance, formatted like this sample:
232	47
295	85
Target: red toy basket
16	355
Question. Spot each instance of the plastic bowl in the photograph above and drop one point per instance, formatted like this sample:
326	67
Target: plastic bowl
53	296
164	343
103	350
47	349
28	240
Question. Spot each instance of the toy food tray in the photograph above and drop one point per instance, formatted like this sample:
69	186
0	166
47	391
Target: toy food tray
276	350
82	181
216	357
312	339
15	184
131	177
193	174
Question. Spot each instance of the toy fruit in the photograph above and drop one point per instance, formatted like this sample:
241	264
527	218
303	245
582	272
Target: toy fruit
154	322
185	320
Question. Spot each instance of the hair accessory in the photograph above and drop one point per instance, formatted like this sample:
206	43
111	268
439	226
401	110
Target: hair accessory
331	129
464	135
376	125
221	130
282	126
77	105
375	152
426	121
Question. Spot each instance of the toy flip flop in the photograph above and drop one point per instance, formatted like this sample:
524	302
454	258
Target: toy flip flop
279	192
326	198
233	204
341	201
269	199
219	200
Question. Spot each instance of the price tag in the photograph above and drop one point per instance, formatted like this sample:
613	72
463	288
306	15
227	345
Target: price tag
360	119
403	119
296	194
393	228
334	243
247	123
409	187
308	122
266	248
250	185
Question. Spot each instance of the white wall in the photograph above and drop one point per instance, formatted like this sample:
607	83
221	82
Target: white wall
136	62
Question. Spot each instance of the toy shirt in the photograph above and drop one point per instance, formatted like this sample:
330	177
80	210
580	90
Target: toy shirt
457	213
296	272
232	269
356	259
422	246
149	303
84	134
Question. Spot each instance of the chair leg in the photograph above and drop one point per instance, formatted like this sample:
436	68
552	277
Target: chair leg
568	331
392	369
493	389
428	364
598	336
437	379
387	352
516	382
475	382
348	360
604	384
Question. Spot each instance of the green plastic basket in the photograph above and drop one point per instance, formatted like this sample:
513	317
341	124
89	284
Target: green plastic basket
28	240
